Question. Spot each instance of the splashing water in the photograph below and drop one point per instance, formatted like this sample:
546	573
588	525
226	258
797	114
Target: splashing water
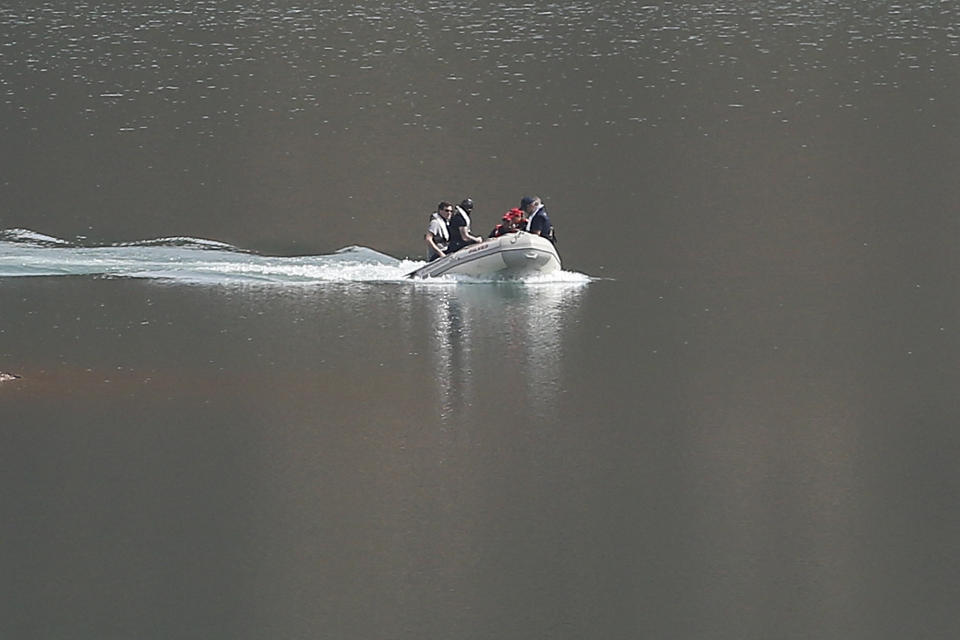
199	261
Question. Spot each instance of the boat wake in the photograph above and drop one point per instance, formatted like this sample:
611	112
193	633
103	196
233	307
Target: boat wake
199	261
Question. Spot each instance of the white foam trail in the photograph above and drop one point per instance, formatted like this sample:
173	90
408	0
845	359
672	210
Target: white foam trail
200	261
32	237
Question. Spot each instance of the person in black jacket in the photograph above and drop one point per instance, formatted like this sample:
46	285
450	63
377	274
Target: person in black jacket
460	233
538	221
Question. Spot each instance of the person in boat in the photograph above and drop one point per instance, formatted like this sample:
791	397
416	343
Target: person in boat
538	221
460	233
438	231
513	221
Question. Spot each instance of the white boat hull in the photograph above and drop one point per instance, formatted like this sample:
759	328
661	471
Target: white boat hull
513	255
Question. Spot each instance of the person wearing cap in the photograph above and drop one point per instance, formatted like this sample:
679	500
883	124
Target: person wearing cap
460	233
538	221
438	231
512	221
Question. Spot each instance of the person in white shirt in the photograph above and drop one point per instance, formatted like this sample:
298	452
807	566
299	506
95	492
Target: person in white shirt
438	231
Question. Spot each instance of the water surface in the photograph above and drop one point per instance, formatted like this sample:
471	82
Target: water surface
732	416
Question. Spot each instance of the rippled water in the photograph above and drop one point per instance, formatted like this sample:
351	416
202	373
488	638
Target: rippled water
203	65
733	415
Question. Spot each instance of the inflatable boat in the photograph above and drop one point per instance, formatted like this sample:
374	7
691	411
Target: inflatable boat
512	255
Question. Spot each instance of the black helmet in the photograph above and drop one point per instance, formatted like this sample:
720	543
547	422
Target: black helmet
467	204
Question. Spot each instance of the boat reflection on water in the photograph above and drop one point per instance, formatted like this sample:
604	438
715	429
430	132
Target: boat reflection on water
500	341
